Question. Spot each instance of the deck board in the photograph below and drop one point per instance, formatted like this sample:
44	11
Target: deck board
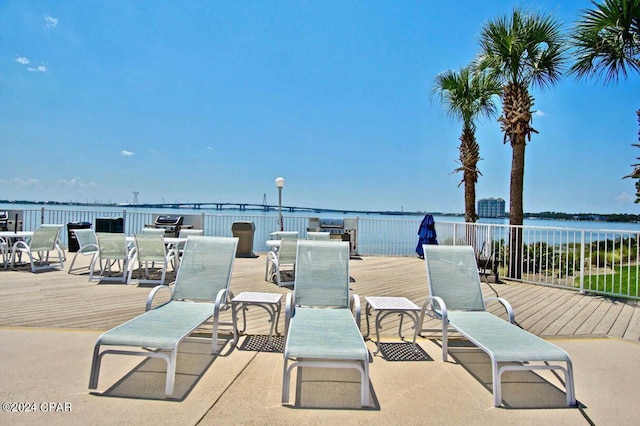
55	299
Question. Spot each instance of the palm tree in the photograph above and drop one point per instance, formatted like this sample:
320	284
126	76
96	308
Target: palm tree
522	50
607	40
607	43
465	95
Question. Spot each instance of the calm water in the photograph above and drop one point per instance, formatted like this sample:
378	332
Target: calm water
571	224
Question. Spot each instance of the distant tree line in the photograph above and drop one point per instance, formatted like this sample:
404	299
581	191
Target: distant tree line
615	217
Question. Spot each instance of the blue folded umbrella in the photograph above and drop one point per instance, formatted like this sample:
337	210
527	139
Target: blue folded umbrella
426	234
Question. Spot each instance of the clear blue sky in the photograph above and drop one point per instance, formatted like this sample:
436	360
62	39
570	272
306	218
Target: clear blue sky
212	100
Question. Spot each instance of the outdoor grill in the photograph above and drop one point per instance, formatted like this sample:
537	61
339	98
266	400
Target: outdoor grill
4	218
170	223
332	226
10	220
339	229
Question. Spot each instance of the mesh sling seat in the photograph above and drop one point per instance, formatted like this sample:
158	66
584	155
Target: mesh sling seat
44	240
320	328
200	292
456	297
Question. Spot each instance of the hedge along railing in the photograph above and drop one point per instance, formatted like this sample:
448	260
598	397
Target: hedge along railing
594	261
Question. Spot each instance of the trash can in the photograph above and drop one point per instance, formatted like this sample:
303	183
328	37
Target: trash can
114	225
244	231
73	245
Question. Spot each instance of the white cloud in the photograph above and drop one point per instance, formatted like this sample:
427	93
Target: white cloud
22	60
126	153
70	182
39	68
19	181
625	198
209	148
50	21
539	113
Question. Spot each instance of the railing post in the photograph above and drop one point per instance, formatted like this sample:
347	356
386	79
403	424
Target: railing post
582	261
41	215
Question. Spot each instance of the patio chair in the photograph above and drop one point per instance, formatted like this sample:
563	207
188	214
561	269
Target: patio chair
179	247
456	297
87	245
282	261
44	240
320	330
278	235
149	249
201	291
153	231
323	236
4	251
112	251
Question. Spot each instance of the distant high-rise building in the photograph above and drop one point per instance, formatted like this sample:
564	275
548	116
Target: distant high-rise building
491	207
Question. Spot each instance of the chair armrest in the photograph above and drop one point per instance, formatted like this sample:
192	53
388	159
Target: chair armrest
273	257
19	243
507	307
152	294
289	311
223	299
443	307
355	306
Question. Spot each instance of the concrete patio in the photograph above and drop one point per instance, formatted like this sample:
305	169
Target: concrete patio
49	322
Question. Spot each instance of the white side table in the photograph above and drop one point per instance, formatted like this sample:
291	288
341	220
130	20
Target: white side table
385	306
270	302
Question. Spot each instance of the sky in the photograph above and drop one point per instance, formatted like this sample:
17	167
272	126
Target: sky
210	101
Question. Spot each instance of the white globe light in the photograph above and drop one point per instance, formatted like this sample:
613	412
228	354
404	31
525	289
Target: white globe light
280	182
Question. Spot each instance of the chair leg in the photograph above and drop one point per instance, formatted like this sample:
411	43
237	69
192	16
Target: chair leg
171	372
95	367
286	377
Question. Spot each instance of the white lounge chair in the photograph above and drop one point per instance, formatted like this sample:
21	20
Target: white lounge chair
322	236
201	290
4	251
112	251
278	235
281	261
456	297
44	240
320	330
149	249
87	245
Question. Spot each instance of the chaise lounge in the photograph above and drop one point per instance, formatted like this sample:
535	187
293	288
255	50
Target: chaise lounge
456	297
320	327
201	290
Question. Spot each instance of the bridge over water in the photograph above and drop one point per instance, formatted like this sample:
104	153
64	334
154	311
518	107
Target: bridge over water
261	207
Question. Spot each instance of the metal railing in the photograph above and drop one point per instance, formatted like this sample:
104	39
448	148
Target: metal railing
595	261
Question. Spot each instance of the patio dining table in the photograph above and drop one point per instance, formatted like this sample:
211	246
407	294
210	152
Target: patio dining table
7	238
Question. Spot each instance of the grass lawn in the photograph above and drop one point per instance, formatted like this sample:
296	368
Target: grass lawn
623	281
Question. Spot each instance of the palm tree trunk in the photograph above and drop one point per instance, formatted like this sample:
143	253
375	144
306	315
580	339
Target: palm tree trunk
516	213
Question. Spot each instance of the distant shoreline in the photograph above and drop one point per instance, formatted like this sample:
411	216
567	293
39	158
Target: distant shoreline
592	217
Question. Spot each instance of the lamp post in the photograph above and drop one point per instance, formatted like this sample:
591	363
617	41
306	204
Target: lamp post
280	185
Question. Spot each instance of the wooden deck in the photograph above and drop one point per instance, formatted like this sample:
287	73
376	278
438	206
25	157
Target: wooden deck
55	299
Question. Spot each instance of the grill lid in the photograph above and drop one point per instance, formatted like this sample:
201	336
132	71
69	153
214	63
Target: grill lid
331	223
169	220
